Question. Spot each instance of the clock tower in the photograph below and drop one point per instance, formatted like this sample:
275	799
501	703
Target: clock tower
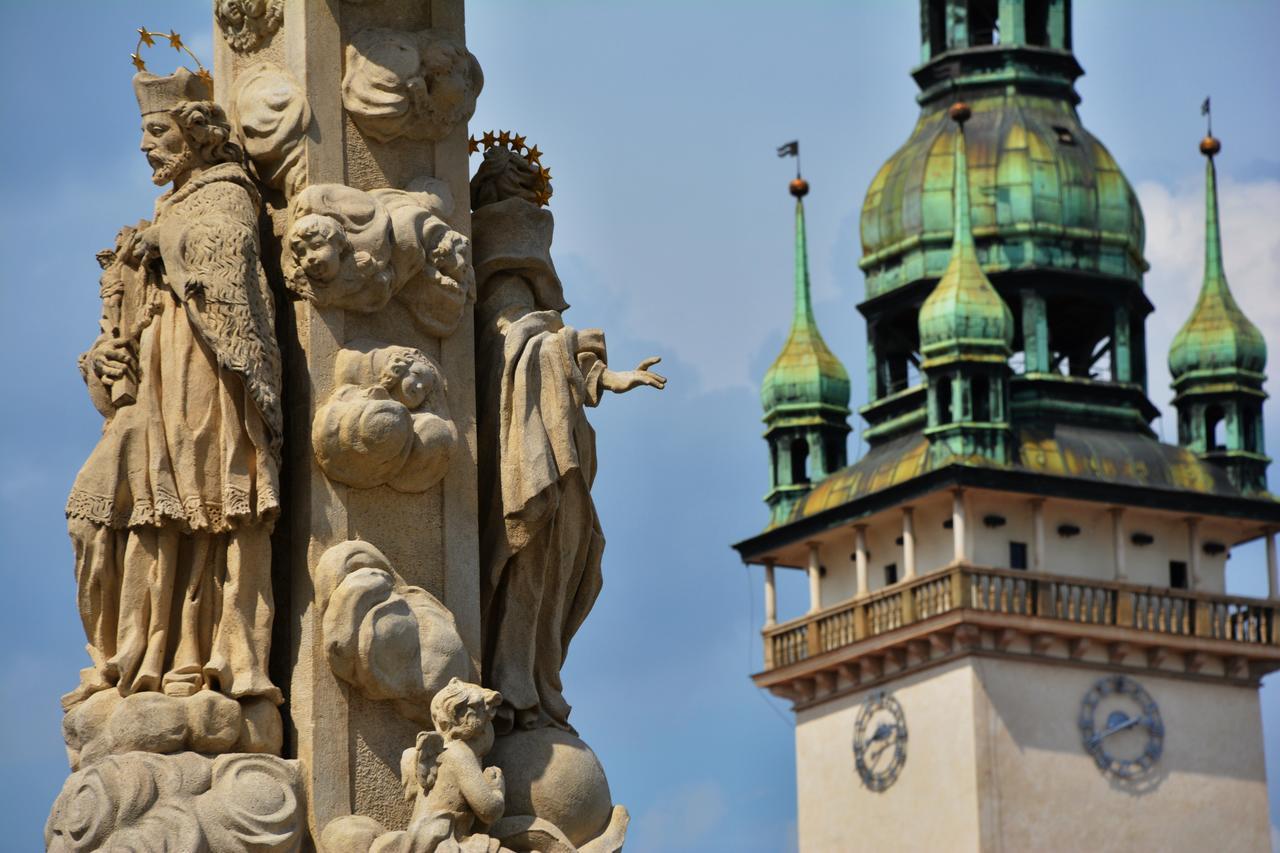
1018	634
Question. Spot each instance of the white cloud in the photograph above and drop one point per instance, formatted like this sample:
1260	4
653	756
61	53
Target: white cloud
1175	250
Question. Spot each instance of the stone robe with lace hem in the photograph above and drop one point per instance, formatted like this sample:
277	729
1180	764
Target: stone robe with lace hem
171	515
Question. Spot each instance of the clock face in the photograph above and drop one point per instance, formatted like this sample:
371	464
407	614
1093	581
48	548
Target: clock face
1121	727
880	741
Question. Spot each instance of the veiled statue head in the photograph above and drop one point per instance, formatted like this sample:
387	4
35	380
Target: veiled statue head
503	174
182	128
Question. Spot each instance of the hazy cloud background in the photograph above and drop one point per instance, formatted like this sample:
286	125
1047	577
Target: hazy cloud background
659	120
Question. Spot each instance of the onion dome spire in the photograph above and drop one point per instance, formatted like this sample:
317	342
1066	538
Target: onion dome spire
806	371
964	312
1218	337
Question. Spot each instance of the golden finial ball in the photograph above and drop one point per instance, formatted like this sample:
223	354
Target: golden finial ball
799	188
1210	145
960	112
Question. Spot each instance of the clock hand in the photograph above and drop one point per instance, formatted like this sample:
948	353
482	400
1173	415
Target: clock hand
1129	721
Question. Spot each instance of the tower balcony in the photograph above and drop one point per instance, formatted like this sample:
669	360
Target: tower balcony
965	609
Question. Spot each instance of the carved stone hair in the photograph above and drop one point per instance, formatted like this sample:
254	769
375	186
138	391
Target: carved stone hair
503	174
450	704
208	131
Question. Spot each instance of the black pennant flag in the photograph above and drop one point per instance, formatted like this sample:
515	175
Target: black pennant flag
791	149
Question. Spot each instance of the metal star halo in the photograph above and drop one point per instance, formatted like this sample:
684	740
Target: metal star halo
148	38
517	143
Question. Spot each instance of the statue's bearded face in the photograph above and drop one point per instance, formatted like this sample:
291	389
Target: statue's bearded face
166	148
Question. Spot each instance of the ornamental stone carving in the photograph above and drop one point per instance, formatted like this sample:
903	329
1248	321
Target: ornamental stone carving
346	248
390	640
247	24
388	423
271	115
415	85
171	516
186	802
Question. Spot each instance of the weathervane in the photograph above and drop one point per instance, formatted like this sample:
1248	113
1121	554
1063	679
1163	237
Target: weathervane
148	37
1210	145
799	187
516	143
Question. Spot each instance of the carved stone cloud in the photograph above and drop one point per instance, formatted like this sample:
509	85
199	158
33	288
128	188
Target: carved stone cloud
390	640
271	115
418	85
388	424
188	802
246	24
346	248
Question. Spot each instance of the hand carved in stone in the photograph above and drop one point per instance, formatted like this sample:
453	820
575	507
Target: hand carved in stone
417	85
246	24
171	515
186	802
390	640
346	248
271	113
388	423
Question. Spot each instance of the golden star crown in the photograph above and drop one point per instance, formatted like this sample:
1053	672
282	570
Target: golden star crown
515	142
148	37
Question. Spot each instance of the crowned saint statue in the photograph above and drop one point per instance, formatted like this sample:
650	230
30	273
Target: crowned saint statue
171	515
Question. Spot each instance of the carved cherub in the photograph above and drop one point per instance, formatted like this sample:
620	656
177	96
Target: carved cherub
454	793
389	423
356	250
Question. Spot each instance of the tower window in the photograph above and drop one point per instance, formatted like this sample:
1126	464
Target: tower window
1038	22
890	574
981	399
937	27
1215	428
1065	137
1177	574
799	461
944	400
1017	555
984	22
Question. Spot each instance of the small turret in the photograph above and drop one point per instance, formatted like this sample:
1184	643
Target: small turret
805	395
1217	362
966	330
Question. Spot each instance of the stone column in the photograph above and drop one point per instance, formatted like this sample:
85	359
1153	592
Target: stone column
1037	535
958	519
428	537
1117	542
815	581
770	596
1273	573
860	557
1193	552
908	543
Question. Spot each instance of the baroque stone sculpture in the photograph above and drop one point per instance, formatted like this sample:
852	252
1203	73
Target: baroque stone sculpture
388	424
171	515
439	548
416	85
351	249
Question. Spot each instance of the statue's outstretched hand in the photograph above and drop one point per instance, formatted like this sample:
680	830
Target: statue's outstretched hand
622	381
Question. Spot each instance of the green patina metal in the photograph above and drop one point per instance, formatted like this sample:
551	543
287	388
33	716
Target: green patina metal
964	317
806	372
1020	208
1217	362
805	395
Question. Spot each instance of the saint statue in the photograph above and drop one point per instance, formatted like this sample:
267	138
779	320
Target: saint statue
541	542
171	515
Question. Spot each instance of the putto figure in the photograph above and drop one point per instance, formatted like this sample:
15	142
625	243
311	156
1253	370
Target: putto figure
171	515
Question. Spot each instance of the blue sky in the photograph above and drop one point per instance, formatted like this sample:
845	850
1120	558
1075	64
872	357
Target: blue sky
659	120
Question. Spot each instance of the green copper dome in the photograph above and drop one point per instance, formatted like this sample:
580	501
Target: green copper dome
1046	195
1218	337
806	372
964	312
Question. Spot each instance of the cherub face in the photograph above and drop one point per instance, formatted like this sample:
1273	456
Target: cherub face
418	382
317	244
